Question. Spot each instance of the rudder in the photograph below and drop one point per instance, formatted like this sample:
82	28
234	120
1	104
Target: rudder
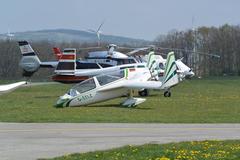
170	74
57	52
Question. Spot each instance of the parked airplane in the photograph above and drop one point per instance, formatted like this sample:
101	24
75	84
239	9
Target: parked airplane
9	87
69	69
118	58
105	87
183	70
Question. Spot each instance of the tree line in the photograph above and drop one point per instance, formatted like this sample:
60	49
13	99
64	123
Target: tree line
223	41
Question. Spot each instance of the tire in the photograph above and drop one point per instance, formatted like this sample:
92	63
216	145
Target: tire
167	94
143	93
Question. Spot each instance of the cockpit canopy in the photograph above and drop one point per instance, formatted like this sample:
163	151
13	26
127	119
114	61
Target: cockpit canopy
106	79
90	84
82	87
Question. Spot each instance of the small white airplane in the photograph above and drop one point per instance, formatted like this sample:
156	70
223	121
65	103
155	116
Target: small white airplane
183	70
8	87
106	87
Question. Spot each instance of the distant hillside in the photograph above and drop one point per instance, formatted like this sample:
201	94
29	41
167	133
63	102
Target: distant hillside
68	35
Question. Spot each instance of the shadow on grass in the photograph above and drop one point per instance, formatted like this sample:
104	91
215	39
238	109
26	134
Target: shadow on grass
155	94
44	97
117	106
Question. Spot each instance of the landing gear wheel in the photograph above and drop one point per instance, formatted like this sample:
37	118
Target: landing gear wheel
144	93
167	94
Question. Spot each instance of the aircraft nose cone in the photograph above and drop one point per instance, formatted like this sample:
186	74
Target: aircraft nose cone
60	103
192	74
189	74
63	101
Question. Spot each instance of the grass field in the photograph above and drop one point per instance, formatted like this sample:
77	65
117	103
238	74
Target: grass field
205	150
211	100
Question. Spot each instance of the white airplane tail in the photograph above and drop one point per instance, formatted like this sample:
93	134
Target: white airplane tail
152	65
30	62
151	61
170	74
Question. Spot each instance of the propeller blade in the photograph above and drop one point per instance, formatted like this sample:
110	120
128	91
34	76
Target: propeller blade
159	53
120	47
137	50
191	51
88	48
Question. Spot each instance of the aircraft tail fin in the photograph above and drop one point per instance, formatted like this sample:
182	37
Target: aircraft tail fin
67	62
30	62
57	52
152	65
151	61
170	74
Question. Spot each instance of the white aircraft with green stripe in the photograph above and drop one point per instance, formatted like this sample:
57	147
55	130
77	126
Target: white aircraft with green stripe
106	87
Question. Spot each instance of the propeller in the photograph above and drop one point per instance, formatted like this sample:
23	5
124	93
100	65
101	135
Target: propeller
137	50
153	47
89	48
191	51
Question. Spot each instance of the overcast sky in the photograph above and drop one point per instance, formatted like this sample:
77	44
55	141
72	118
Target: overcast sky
132	18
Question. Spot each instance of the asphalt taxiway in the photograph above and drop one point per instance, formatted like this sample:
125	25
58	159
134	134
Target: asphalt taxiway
30	141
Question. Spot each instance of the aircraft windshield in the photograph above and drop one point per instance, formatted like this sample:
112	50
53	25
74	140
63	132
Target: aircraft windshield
105	79
82	87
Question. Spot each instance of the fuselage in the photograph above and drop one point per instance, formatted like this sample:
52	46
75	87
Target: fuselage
70	70
82	74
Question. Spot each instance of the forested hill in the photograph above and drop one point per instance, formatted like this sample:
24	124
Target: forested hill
68	35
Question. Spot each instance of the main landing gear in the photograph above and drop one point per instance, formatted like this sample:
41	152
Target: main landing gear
143	93
167	93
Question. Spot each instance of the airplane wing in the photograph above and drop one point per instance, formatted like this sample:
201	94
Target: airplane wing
146	85
98	71
7	87
132	84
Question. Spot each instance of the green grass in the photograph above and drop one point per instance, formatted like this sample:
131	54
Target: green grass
196	101
205	150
